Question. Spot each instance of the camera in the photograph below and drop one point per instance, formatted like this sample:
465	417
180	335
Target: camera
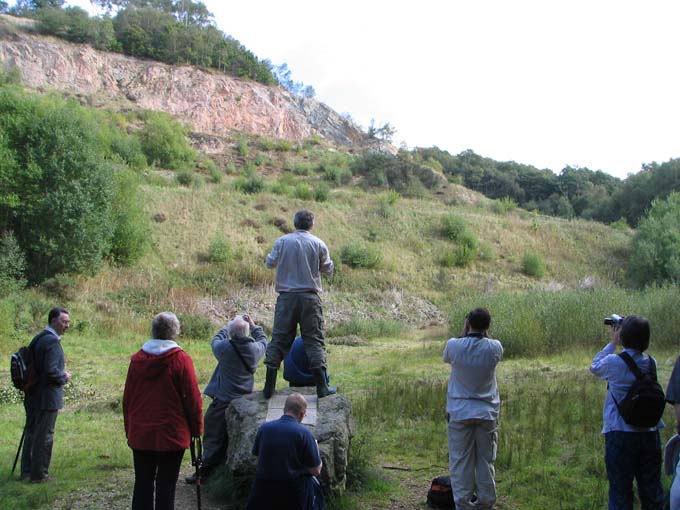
613	320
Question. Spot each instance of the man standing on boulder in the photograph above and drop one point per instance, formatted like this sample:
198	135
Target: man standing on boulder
472	405
299	258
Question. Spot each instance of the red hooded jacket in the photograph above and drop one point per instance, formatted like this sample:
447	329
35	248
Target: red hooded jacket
162	406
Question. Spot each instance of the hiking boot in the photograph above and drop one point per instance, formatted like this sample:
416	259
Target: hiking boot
322	388
270	382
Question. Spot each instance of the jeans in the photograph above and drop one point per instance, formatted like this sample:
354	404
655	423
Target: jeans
37	450
634	455
155	468
472	452
293	308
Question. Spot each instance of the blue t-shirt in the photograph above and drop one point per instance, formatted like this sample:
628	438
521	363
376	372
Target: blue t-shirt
285	450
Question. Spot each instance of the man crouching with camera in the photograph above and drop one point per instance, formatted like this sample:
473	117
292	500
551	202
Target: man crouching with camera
632	414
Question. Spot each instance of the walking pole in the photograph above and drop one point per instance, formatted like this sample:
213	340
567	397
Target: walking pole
21	443
196	448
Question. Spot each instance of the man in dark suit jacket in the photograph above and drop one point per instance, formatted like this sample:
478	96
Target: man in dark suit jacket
43	401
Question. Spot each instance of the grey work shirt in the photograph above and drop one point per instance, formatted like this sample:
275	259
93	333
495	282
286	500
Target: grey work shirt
299	259
473	391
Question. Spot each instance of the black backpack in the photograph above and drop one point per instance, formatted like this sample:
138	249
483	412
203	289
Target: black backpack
645	402
21	366
440	494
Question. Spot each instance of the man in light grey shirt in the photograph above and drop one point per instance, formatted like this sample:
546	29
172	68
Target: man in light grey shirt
299	258
472	405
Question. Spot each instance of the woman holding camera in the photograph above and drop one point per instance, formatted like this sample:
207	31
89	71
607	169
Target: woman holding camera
631	452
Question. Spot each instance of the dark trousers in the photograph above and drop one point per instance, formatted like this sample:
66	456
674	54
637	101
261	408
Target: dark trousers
159	469
215	436
37	450
634	455
293	308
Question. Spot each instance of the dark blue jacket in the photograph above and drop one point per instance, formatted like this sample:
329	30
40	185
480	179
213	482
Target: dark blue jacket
48	359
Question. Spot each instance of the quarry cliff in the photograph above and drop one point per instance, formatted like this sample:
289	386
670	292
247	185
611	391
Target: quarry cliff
209	103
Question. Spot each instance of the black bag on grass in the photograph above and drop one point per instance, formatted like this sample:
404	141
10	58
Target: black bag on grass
644	403
440	494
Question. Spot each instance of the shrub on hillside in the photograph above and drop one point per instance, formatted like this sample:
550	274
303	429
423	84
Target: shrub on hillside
303	191
195	327
453	226
655	249
219	250
503	205
533	265
251	185
360	255
164	141
321	192
132	229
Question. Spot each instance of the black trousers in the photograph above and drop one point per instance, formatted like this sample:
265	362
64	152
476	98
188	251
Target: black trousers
215	436
293	308
159	471
37	450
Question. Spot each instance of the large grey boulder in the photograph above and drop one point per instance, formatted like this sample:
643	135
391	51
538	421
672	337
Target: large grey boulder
333	431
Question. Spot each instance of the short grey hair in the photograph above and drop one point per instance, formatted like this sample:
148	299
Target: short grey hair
165	326
238	327
304	219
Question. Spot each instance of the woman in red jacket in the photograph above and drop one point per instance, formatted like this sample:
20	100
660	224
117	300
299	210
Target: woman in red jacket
162	411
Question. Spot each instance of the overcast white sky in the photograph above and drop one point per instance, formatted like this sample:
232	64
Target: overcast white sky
548	83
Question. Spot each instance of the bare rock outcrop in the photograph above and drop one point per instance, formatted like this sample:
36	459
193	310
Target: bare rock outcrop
209	103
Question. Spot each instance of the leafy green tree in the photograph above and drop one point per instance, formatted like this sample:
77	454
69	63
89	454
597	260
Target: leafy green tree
58	200
131	232
655	249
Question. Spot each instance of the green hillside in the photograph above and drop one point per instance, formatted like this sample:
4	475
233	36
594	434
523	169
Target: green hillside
176	228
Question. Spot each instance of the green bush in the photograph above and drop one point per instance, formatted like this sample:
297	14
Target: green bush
359	255
12	264
242	147
196	327
56	187
215	175
503	205
321	193
164	141
185	177
251	185
219	250
129	148
61	286
453	226
131	226
533	265
655	249
303	191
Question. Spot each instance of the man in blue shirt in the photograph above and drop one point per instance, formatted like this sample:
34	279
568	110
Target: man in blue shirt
288	459
472	405
296	366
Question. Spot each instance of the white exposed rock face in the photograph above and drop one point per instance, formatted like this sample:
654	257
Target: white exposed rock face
208	102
